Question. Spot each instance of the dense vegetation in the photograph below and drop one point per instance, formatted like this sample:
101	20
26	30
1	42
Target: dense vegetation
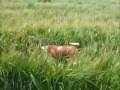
26	25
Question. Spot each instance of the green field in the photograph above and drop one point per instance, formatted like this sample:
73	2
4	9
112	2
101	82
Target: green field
26	25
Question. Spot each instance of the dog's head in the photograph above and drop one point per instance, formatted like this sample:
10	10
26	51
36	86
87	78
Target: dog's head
44	48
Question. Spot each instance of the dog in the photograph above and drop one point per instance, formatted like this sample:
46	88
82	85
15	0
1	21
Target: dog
62	51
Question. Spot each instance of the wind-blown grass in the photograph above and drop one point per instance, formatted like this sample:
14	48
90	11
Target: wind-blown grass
25	27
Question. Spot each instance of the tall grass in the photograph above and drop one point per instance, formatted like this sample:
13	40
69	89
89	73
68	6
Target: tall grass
25	27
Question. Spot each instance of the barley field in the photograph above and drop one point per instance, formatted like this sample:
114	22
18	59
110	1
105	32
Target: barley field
26	25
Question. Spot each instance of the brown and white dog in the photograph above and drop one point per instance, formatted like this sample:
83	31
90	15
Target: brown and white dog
62	51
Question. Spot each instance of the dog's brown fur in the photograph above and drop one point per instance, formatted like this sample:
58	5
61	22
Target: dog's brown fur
62	51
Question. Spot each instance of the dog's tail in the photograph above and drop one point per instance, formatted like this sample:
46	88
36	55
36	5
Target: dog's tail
74	43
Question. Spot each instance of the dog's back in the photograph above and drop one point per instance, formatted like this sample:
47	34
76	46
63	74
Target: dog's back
62	51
